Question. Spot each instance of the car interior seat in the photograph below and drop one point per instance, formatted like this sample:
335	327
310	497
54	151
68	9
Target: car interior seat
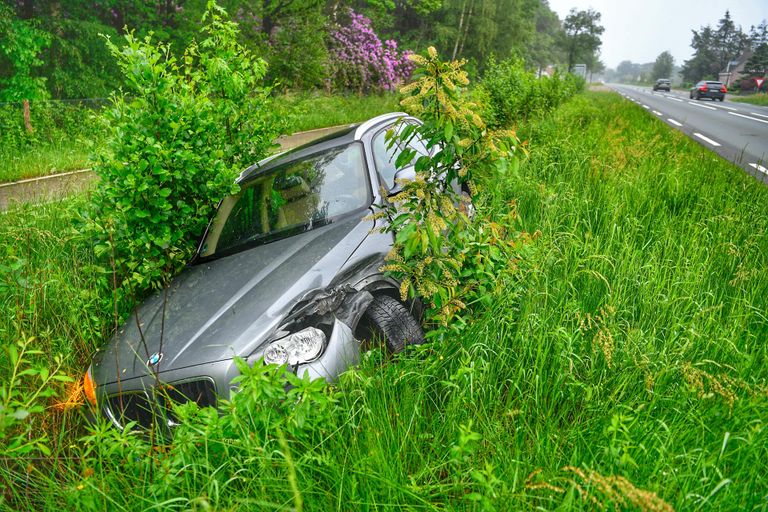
299	204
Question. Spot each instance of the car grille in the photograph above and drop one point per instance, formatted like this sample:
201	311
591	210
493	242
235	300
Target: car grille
153	406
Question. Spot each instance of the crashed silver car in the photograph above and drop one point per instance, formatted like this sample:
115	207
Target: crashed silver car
288	271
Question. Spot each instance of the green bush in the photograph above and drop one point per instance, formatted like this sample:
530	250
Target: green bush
514	94
441	254
305	69
177	137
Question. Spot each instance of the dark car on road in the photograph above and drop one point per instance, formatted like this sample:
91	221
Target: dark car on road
708	89
662	84
288	273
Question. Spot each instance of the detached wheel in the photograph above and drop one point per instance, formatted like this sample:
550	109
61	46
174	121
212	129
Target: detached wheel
388	319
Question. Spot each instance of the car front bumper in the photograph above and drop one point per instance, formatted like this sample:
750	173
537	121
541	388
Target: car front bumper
144	399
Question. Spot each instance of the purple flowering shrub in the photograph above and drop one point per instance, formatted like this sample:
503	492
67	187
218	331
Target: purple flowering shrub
361	62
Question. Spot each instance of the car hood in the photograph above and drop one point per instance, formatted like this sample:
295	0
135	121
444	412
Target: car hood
227	307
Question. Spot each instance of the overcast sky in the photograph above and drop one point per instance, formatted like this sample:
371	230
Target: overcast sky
640	30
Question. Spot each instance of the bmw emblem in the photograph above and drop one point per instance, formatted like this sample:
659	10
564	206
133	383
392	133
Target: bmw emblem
154	359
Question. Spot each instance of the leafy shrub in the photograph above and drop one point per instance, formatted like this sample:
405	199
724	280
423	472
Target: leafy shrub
514	94
19	47
79	64
440	254
177	138
361	62
303	69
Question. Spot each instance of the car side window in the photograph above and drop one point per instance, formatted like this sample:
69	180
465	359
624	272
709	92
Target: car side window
385	158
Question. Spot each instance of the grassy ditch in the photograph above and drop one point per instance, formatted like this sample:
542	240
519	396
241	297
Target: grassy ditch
625	369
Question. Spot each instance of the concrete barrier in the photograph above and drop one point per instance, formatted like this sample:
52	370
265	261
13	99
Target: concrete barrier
56	186
45	188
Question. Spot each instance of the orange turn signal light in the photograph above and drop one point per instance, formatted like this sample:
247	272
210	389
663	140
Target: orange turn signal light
89	388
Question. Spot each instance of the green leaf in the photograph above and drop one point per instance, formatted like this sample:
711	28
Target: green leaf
404	158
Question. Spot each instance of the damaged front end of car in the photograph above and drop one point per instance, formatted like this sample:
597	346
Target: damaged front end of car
316	339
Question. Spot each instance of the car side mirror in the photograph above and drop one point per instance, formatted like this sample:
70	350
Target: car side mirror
406	173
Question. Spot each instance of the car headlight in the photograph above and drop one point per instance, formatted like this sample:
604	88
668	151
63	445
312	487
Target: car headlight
296	348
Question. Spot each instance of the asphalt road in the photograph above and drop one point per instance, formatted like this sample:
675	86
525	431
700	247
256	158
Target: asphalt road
736	131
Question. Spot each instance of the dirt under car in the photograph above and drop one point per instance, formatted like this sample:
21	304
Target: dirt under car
288	272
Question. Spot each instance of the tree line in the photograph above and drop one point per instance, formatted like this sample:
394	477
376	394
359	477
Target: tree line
57	48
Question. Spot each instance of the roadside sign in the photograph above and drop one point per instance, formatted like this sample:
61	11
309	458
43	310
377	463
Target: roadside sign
759	82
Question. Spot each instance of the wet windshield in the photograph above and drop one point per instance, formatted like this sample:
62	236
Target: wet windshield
290	199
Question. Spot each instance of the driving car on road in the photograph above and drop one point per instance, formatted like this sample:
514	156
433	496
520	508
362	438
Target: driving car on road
288	272
662	84
708	89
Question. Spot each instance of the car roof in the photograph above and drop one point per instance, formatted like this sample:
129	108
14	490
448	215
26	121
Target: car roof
345	135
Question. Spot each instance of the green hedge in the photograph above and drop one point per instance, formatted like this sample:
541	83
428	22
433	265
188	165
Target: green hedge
512	94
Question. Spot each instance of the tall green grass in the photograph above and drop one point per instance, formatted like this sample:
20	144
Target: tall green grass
44	160
316	110
624	369
755	99
63	136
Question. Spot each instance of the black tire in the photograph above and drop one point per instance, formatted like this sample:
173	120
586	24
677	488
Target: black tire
388	319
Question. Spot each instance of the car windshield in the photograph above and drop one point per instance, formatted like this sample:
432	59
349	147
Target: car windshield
290	199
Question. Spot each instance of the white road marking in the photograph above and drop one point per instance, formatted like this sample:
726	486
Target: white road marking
729	108
673	99
657	113
706	139
700	105
760	168
646	106
674	122
756	114
749	117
